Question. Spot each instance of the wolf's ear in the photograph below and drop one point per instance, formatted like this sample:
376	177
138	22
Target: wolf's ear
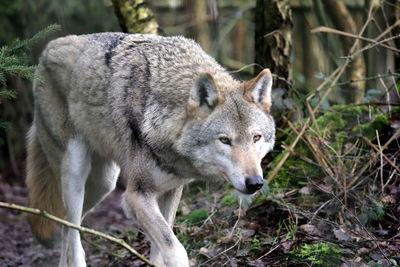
204	95
258	90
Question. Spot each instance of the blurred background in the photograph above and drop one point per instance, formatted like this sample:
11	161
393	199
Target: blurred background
225	29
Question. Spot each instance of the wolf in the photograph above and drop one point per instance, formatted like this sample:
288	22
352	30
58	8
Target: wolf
157	110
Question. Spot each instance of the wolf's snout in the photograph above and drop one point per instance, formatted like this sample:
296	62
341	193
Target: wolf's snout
253	183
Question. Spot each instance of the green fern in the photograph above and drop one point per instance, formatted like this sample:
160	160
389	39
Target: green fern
14	61
14	58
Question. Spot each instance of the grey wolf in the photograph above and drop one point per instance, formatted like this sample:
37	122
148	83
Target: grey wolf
157	109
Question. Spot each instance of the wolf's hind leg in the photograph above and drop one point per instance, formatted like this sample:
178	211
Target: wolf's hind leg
102	179
168	204
75	170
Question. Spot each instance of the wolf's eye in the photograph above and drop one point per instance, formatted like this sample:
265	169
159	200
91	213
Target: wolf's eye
225	140
256	138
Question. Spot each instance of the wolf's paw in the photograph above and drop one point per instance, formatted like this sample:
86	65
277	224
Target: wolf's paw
178	259
73	256
78	260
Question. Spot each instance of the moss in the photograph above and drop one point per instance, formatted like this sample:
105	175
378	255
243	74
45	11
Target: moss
340	139
396	111
259	200
228	201
256	246
196	217
330	121
378	123
351	113
321	254
294	171
339	125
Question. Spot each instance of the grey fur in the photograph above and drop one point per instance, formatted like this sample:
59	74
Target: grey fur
157	107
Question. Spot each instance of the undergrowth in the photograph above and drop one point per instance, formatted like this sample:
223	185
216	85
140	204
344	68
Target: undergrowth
321	254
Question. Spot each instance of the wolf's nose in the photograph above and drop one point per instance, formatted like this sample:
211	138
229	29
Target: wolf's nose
253	183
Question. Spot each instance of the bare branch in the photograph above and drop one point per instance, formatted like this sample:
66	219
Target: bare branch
334	31
82	229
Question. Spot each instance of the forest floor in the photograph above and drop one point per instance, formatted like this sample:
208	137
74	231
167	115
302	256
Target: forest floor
215	231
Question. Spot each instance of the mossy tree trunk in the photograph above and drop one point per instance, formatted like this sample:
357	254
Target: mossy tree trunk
135	17
273	39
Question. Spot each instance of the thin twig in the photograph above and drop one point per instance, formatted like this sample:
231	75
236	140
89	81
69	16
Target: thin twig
318	210
334	31
82	229
219	254
381	159
99	247
373	158
333	79
379	76
238	219
379	150
387	95
361	225
270	251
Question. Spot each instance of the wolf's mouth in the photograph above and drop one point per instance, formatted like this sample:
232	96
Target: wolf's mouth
246	189
241	189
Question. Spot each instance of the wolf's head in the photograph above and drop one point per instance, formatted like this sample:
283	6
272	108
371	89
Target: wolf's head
229	131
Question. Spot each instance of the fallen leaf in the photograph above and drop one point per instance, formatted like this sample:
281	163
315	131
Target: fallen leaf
185	210
233	262
305	190
287	245
308	228
341	235
363	251
243	252
225	239
388	199
248	233
256	263
209	253
358	260
254	226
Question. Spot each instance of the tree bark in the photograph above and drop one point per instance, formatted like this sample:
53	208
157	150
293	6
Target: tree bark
135	17
273	39
198	22
393	11
343	21
239	39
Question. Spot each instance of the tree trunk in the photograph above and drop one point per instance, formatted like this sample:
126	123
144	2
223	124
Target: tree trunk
135	17
343	21
198	22
239	40
273	39
393	11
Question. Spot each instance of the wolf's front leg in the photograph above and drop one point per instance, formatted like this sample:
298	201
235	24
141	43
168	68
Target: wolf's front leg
168	203
145	207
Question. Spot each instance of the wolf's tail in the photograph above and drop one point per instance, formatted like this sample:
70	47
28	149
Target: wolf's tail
43	189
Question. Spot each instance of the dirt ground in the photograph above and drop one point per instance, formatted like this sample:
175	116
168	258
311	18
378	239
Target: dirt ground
265	236
19	248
